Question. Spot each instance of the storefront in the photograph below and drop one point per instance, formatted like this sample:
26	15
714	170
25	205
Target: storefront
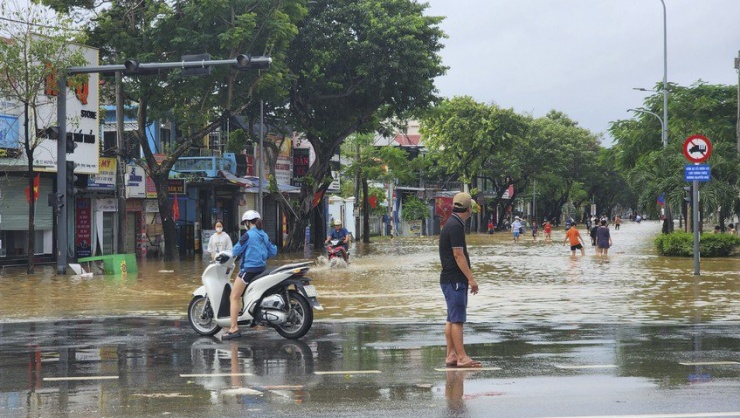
14	233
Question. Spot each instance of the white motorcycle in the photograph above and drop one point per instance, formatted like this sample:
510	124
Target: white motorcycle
282	298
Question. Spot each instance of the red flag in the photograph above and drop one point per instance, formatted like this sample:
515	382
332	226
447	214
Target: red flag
373	201
317	198
175	209
35	189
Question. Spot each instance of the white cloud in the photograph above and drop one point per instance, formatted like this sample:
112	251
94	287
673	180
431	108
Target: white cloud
582	57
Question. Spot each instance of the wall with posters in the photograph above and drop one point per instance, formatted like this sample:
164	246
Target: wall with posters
83	227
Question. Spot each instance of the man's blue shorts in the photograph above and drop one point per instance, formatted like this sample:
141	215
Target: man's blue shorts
456	296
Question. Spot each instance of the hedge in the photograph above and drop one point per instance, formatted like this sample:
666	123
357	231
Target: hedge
681	244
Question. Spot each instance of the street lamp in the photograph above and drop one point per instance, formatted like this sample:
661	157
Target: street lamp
662	122
665	77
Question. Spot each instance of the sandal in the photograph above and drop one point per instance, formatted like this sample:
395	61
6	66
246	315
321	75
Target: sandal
232	335
472	364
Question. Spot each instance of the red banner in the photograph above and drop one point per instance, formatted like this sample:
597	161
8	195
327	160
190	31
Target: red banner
36	181
443	209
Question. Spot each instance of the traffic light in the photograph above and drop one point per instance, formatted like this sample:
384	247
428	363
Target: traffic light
688	194
247	62
71	145
70	175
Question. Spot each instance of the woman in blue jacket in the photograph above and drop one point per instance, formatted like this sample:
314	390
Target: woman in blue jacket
256	248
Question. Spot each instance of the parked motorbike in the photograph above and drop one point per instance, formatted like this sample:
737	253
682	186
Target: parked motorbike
281	298
336	254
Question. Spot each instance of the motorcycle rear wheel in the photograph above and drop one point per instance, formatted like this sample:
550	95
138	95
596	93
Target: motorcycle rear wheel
301	317
202	322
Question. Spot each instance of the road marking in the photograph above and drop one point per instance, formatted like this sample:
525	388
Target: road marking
241	391
586	366
281	387
351	372
57	379
215	374
694	415
710	363
463	369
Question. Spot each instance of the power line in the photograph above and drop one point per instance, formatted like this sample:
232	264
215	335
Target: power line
31	24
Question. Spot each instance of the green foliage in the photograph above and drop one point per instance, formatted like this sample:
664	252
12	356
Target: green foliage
463	135
701	108
681	244
414	209
238	140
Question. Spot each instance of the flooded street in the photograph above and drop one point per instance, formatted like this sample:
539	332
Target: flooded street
397	280
632	335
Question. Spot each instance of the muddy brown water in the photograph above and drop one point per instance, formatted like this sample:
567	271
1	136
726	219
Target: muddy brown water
397	280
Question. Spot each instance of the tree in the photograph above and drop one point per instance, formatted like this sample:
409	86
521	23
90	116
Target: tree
353	64
701	108
31	55
384	164
163	31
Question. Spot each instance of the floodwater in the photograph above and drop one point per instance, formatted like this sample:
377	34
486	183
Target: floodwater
397	281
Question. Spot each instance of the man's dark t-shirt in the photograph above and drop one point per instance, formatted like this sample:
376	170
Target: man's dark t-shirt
452	236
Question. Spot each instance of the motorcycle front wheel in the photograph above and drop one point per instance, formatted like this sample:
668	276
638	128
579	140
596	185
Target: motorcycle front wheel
300	319
200	316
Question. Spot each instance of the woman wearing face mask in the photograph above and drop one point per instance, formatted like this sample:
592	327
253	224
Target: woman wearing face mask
219	241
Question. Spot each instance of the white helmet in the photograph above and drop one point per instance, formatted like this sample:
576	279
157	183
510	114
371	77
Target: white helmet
250	215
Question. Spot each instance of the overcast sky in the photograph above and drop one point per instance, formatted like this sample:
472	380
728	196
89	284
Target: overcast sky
583	57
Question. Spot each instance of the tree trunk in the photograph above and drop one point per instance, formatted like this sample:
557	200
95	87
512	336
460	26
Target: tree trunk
32	194
165	213
31	220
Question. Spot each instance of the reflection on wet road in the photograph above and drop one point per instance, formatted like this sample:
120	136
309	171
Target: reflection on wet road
397	280
133	367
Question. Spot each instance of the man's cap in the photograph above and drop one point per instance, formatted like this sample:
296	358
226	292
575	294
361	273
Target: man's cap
337	222
516	217
461	201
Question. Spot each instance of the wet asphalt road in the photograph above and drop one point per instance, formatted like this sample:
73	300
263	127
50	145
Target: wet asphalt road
135	367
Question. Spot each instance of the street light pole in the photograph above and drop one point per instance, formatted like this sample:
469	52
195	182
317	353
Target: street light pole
662	122
665	76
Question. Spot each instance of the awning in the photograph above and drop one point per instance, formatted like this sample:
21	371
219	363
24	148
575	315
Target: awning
282	188
236	180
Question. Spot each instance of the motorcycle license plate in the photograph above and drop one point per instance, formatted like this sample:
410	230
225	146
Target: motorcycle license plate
310	290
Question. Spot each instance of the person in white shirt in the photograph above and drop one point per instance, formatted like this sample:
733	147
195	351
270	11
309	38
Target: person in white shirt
219	241
516	228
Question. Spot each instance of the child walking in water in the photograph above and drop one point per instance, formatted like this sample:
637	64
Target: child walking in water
547	226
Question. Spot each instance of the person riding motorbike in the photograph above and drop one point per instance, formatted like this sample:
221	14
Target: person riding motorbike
256	247
342	235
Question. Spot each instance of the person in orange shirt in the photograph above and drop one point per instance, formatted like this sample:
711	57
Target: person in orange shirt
576	242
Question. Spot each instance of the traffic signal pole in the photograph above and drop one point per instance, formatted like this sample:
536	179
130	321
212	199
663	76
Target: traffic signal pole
242	62
61	204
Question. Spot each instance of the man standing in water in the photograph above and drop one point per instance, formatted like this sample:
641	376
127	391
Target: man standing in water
455	280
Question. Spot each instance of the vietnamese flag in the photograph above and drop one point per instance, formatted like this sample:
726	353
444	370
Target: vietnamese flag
373	200
35	189
175	209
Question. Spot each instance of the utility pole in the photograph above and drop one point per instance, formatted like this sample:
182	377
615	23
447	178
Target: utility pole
120	167
357	190
737	67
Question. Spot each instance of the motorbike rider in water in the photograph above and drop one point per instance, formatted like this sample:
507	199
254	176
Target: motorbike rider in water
342	235
256	247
